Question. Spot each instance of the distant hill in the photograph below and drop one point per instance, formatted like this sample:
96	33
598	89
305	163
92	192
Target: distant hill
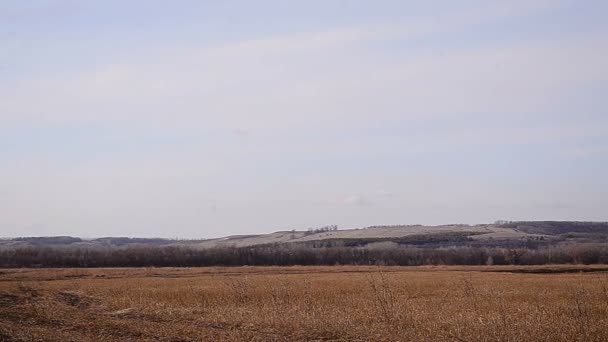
74	241
509	234
557	227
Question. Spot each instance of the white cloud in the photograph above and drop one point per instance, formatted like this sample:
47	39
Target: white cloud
385	193
245	93
303	78
594	151
356	200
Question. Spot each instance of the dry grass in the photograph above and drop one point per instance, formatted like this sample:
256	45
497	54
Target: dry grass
305	303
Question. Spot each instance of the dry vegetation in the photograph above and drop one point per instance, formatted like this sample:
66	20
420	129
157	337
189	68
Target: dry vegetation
306	303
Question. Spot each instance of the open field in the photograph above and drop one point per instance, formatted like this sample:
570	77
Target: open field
544	303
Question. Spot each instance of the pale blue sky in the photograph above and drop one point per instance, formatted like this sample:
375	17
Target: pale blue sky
208	118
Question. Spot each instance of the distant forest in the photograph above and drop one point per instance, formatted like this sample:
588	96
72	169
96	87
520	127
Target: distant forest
569	243
172	256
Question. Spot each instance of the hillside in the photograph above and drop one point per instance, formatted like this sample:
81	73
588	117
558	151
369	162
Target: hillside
498	234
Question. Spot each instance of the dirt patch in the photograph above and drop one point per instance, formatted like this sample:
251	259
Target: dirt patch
8	300
130	313
4	336
29	292
74	299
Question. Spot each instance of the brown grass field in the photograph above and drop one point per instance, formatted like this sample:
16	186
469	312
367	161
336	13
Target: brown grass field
342	303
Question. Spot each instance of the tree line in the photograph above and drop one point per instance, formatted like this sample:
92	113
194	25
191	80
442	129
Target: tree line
280	255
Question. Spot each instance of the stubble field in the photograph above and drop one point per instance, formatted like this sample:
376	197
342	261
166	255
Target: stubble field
306	303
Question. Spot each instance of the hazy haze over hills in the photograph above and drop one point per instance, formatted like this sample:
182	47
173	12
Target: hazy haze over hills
502	234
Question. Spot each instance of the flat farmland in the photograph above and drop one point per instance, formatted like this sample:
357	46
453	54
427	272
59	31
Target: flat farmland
341	303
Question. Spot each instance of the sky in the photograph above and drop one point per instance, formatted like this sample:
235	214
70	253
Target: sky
201	119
